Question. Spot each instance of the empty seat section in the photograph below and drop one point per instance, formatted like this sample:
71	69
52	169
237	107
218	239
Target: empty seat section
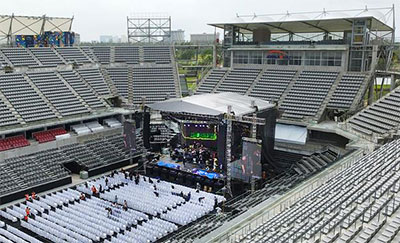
3	62
127	54
24	98
307	94
49	135
316	162
60	96
154	83
13	142
19	57
380	117
211	81
90	53
95	79
31	171
8	182
359	203
346	91
157	54
6	116
73	55
272	84
46	56
239	80
119	76
102	53
82	89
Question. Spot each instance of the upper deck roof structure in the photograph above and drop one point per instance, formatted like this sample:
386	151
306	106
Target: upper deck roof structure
313	22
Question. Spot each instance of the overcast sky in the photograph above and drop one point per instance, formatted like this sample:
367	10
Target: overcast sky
108	17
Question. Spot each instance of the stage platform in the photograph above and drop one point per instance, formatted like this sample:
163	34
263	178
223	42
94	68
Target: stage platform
183	174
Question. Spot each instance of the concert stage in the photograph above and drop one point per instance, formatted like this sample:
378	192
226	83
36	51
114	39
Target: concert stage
220	123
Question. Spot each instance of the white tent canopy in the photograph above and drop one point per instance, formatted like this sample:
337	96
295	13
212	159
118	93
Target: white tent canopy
11	25
379	19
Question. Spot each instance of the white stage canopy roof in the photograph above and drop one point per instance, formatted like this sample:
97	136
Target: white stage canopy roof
212	104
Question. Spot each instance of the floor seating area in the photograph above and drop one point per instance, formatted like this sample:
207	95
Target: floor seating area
272	84
49	135
349	86
62	216
84	91
19	57
238	80
46	56
307	94
13	142
378	118
360	204
60	96
154	83
212	79
25	100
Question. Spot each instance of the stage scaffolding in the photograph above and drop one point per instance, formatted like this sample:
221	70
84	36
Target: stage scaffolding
149	28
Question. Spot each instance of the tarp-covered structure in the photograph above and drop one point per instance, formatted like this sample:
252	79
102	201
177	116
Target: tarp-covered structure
11	25
213	104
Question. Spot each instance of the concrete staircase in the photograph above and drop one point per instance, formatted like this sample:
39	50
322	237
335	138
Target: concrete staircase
289	87
73	91
141	55
175	69
359	98
91	57
6	59
37	90
256	81
93	90
11	108
203	78
107	78
112	54
33	56
59	55
221	81
130	85
325	103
